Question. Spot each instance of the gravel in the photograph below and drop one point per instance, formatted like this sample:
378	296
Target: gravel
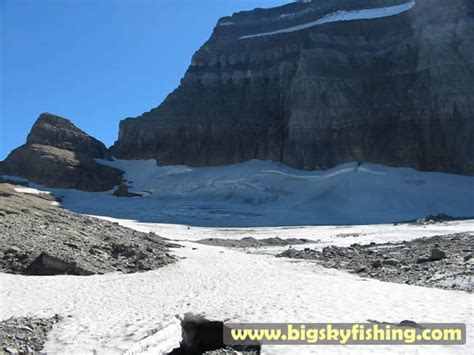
441	261
39	238
25	335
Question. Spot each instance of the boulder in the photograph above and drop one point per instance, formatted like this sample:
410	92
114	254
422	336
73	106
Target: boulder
390	262
122	191
376	263
409	324
437	254
46	264
13	250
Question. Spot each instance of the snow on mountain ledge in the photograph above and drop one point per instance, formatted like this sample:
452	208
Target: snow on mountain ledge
343	15
266	193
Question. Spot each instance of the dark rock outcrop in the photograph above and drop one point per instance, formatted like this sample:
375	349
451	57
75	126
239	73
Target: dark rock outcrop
58	154
122	191
199	335
203	336
46	264
394	90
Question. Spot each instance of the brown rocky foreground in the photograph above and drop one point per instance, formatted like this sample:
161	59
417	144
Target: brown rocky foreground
39	238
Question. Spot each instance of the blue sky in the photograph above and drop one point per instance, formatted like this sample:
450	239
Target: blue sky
97	61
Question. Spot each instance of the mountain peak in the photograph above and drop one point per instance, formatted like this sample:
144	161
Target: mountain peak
59	132
59	154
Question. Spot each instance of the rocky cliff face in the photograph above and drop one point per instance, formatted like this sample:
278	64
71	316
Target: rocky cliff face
58	154
313	86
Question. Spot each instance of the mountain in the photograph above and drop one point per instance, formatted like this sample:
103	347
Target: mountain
58	154
317	84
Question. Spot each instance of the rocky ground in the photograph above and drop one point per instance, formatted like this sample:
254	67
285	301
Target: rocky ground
252	242
40	238
443	261
25	335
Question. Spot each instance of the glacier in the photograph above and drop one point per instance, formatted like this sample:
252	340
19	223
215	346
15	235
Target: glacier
268	193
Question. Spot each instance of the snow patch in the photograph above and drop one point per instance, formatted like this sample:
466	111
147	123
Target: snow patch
159	341
343	15
28	190
294	14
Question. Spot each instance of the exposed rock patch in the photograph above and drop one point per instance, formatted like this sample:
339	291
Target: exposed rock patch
250	242
46	264
441	261
25	335
122	191
435	219
41	239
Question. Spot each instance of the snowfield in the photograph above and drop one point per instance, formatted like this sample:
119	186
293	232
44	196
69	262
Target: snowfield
28	190
342	15
265	193
140	313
